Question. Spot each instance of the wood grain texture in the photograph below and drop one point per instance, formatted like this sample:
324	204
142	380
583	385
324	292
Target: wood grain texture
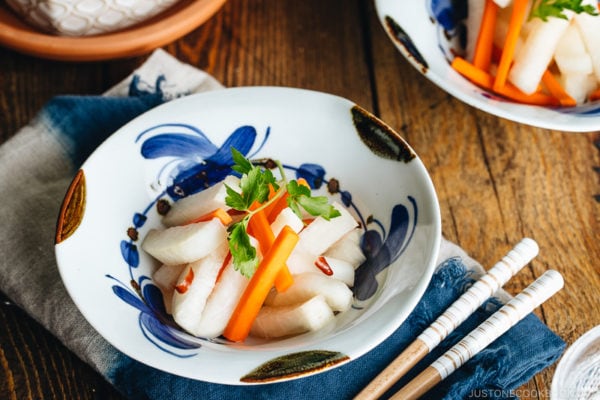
497	181
35	365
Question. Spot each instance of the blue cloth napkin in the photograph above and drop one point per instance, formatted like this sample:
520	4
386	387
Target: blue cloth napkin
36	167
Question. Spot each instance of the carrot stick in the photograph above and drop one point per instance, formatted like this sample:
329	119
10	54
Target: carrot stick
482	54
539	99
261	230
219	213
259	227
303	182
472	73
595	95
508	52
485	80
556	90
284	279
273	209
259	286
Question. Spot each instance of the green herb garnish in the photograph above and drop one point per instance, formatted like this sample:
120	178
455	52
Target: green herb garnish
254	183
300	196
556	8
253	196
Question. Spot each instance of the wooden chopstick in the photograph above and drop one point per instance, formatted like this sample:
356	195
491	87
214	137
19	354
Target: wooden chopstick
456	314
479	338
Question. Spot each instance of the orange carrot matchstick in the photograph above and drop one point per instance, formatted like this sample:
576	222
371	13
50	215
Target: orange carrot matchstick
259	286
261	230
556	90
219	213
508	52
482	55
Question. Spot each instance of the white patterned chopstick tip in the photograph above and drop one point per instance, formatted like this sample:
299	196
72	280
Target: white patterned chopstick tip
479	292
499	322
514	261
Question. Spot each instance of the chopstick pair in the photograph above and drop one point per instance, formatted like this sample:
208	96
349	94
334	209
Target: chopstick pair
497	324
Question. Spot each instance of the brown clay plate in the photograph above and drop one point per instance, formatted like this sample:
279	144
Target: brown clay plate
157	31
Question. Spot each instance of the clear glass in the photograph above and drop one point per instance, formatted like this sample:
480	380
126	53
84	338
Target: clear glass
577	376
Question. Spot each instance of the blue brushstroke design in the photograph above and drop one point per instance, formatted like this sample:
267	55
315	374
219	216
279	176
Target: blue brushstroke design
382	251
193	163
154	322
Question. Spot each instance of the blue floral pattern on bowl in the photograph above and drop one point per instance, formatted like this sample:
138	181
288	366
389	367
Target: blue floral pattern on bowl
194	163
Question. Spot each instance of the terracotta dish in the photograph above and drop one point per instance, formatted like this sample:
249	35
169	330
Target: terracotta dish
157	31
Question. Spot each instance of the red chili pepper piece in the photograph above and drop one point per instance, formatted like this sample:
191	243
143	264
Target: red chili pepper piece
323	265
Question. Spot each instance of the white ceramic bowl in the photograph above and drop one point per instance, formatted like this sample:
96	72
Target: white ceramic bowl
112	204
426	34
578	373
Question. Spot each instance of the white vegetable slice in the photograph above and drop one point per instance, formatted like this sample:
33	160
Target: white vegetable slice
184	244
188	306
348	248
222	300
503	3
589	28
501	28
301	261
342	270
578	86
571	56
165	278
310	284
527	25
320	234
538	49
287	217
221	303
274	322
472	24
193	206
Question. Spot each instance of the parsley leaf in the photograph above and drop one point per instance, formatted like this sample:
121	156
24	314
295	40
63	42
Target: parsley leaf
555	8
300	196
242	251
234	199
253	187
256	184
242	164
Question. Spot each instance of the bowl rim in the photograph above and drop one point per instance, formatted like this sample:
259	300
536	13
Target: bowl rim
564	366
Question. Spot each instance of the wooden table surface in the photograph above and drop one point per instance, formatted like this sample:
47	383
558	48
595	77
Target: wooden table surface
497	181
